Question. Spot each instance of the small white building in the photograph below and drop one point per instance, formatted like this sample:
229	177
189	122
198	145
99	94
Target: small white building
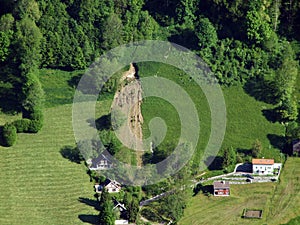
122	211
111	186
263	166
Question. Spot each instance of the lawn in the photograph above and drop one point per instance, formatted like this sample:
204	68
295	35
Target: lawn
59	86
279	201
38	185
245	119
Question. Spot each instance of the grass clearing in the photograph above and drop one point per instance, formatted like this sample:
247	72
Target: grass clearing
38	185
279	201
245	120
59	86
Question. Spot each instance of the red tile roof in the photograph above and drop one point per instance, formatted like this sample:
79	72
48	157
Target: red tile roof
263	161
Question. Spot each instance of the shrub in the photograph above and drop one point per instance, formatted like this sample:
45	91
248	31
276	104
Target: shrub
22	125
9	135
35	126
37	119
37	114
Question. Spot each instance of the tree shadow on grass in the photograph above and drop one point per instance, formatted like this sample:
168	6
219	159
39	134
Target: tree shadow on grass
90	202
278	141
205	189
1	137
91	219
214	162
244	152
261	89
73	82
71	153
102	123
270	114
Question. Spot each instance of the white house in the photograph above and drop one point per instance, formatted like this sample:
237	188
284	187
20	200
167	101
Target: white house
122	211
263	166
111	186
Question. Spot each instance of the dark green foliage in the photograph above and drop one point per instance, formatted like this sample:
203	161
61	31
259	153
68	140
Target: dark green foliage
185	11
256	149
206	33
292	132
287	110
28	8
34	96
36	114
258	27
112	32
151	215
72	153
133	210
4	44
9	134
229	157
27	43
285	81
7	23
22	125
173	206
106	216
35	126
111	143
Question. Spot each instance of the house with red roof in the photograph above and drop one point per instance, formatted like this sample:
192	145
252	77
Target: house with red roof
221	188
263	166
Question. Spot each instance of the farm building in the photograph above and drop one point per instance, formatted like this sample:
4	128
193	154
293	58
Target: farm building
221	188
263	166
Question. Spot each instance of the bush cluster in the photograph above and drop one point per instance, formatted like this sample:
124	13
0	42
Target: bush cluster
9	134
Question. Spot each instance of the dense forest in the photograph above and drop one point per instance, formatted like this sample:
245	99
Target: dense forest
238	39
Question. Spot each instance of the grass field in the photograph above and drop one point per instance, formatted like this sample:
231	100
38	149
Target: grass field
39	186
59	86
245	120
279	201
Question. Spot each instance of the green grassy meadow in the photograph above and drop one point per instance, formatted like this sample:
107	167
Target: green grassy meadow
245	120
39	186
279	202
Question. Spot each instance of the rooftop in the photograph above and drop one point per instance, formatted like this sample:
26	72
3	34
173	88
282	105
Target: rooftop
221	184
263	161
